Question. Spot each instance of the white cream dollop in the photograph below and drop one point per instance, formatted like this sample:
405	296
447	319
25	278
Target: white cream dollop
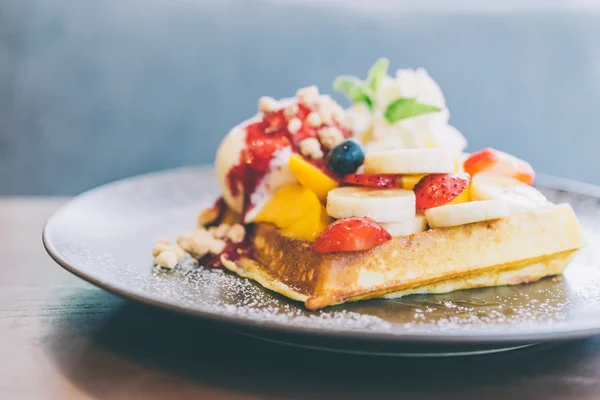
425	131
418	84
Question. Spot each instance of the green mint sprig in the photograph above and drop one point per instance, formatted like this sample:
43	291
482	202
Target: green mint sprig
354	89
359	91
406	108
377	72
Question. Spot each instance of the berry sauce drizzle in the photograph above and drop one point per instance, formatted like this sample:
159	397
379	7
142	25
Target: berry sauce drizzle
263	139
233	252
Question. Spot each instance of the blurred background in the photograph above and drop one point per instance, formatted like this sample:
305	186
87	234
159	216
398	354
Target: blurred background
96	90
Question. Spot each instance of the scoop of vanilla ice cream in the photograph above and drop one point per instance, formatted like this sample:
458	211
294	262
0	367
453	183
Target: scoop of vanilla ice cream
228	156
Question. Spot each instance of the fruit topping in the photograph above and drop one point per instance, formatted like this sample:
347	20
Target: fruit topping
351	234
311	177
252	161
458	165
410	181
346	157
297	210
381	205
466	213
464	197
492	160
409	161
407	227
520	197
309	227
438	189
374	180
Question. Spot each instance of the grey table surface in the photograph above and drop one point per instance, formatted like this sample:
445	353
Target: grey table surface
65	339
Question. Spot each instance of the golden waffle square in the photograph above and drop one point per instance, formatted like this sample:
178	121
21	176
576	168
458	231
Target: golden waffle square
518	249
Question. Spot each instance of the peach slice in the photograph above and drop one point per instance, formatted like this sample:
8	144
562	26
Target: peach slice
297	210
311	177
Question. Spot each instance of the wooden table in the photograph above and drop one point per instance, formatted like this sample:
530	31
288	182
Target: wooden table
61	338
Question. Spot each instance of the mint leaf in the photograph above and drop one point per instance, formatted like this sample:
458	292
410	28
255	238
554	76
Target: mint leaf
377	72
354	89
406	108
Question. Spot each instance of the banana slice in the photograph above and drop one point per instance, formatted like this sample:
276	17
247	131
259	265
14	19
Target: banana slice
410	226
521	198
382	205
466	213
409	161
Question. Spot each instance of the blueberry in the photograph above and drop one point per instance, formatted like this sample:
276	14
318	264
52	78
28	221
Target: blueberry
346	157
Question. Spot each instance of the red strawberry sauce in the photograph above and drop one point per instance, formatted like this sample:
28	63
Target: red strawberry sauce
232	252
263	139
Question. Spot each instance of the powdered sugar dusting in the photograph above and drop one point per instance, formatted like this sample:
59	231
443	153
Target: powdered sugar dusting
228	294
107	235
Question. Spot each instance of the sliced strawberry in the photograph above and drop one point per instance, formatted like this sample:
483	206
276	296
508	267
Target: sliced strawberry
481	161
351	234
374	180
438	189
492	160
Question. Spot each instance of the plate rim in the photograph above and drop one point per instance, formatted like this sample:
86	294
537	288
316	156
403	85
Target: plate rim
479	337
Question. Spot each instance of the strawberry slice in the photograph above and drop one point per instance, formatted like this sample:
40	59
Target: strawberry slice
492	160
438	189
374	180
351	234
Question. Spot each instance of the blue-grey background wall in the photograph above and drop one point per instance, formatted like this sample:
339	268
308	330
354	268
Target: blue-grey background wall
95	90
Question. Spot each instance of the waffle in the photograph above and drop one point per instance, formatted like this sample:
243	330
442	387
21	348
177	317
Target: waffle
508	251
